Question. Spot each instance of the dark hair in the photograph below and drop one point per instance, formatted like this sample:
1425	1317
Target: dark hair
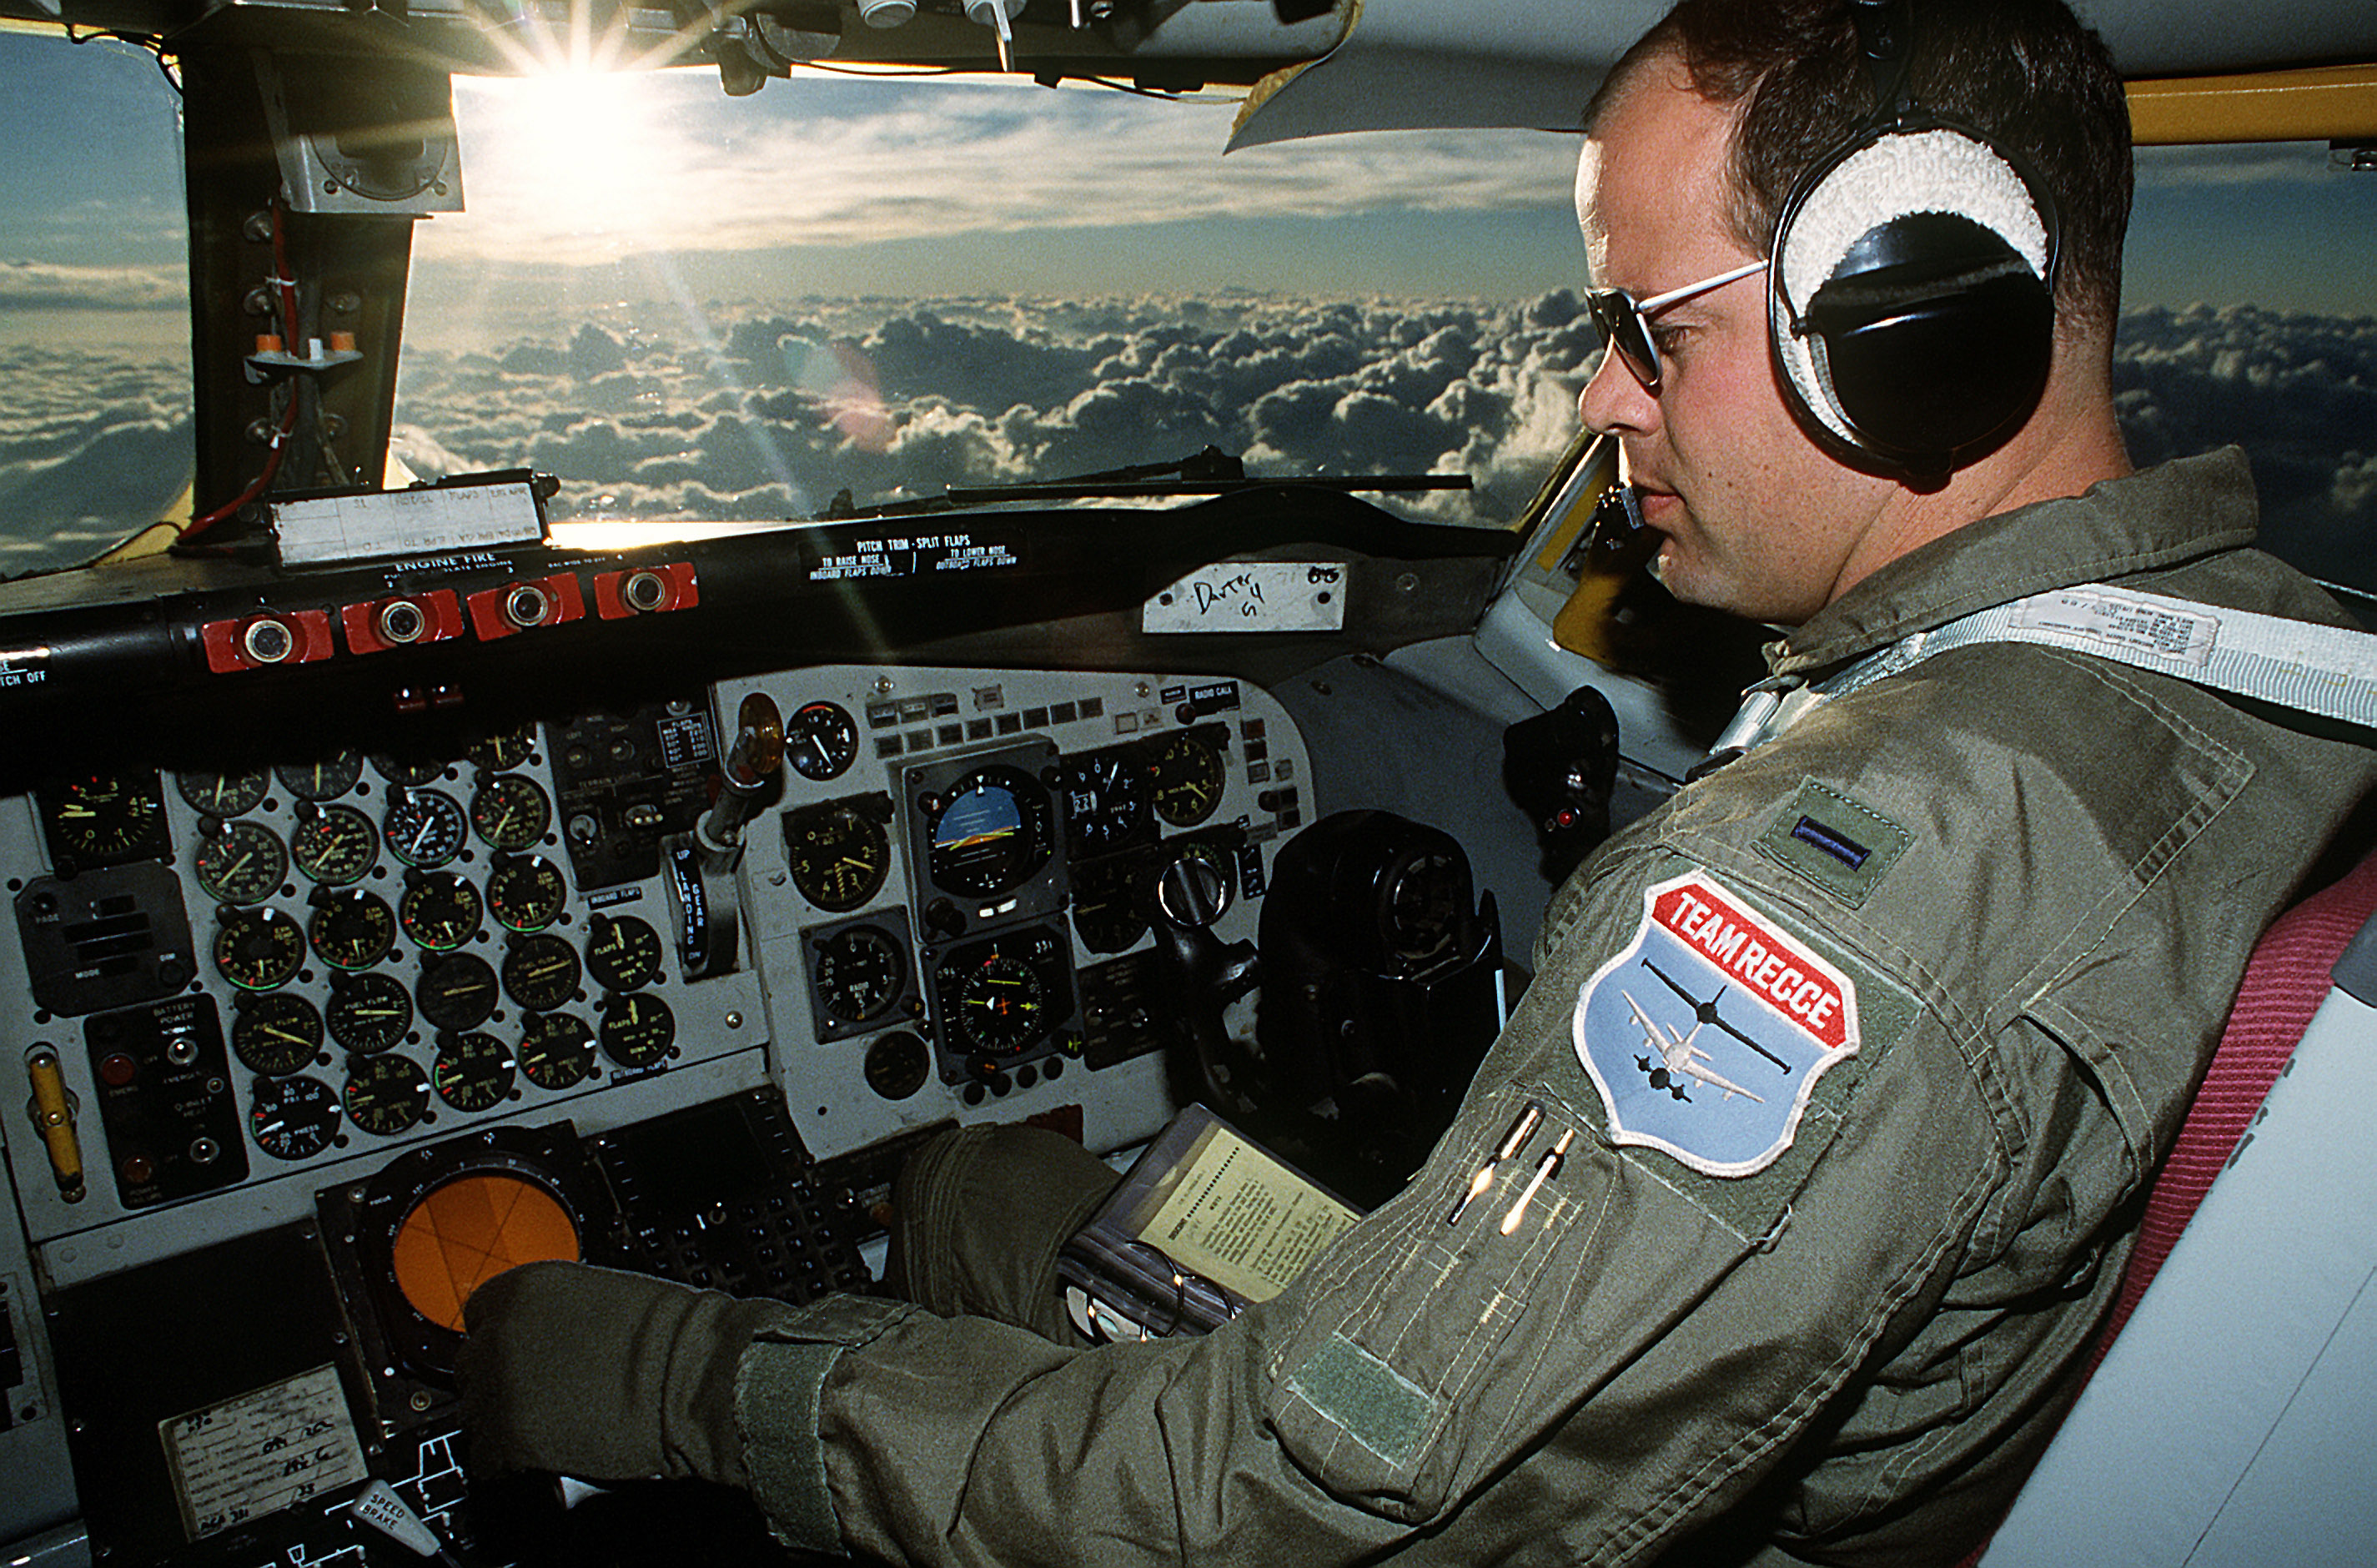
2024	73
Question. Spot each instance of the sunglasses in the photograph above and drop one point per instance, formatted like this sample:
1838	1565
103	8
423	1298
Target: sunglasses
1624	322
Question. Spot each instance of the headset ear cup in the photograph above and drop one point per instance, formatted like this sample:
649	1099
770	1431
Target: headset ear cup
1925	263
1937	354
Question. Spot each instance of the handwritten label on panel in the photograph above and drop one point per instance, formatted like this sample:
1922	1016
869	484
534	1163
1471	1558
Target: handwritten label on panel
279	1445
1243	596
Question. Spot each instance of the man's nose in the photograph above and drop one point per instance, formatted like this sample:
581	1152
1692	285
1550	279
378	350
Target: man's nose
1614	400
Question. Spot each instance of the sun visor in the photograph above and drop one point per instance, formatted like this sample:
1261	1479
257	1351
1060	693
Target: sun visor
1422	65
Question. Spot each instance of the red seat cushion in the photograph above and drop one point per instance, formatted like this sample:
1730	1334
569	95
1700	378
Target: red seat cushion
2284	982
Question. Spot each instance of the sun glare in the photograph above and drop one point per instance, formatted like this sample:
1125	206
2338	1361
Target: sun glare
567	152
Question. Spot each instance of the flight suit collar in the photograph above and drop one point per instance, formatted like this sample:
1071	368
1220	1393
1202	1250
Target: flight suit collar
2159	517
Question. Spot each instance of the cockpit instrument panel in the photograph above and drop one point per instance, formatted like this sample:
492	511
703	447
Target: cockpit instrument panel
254	976
327	1035
253	979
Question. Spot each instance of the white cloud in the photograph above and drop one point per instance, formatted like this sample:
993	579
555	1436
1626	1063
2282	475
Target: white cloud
44	285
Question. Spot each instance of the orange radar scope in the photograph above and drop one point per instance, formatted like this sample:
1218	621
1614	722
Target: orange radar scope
469	1230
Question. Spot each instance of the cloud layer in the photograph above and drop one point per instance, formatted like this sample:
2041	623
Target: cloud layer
768	413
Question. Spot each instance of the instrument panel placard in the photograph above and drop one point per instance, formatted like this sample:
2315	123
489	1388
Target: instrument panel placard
263	1450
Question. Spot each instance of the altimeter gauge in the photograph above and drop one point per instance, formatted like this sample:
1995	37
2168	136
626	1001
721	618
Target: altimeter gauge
1105	800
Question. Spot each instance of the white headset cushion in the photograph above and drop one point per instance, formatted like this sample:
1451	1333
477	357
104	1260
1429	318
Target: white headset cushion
1929	171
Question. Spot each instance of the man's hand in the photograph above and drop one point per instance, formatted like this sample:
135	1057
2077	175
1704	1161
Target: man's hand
605	1376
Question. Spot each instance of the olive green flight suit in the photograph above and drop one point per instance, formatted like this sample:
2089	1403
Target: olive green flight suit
1852	1352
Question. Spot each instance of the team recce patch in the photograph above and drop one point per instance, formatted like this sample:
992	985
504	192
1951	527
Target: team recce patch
1706	1035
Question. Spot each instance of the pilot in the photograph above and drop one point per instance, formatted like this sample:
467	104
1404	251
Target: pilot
1960	936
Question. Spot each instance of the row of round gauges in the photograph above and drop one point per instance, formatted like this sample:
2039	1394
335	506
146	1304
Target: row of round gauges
240	860
279	1031
294	1116
352	929
994	827
232	794
259	948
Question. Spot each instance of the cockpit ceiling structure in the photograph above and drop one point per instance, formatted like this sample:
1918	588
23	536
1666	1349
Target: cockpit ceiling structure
2200	70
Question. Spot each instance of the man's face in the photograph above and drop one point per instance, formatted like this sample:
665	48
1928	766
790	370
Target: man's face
1756	518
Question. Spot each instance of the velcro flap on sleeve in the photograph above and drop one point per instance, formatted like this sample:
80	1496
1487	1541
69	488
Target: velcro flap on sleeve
1431	1350
777	1393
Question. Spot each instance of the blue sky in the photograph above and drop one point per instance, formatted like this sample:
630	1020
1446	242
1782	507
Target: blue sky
830	186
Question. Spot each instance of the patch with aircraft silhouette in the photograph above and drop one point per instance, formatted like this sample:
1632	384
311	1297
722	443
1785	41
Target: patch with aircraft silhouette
1706	1035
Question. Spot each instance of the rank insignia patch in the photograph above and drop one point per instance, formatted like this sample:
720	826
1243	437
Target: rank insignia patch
1706	1035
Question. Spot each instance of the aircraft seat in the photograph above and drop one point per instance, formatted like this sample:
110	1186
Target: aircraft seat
2231	1421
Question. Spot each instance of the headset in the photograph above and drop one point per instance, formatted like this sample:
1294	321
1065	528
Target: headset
1910	301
